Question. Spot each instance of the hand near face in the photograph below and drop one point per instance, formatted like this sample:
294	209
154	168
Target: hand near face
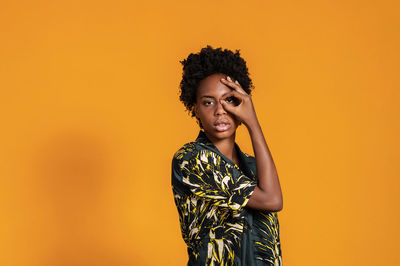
238	103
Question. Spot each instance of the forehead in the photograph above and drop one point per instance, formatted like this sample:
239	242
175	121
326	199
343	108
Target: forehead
212	86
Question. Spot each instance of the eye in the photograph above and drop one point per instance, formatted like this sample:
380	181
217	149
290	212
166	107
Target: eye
207	102
230	100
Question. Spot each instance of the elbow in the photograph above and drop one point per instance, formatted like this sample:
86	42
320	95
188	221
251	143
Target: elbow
274	206
264	201
279	206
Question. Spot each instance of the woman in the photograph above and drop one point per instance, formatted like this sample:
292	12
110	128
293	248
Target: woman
227	200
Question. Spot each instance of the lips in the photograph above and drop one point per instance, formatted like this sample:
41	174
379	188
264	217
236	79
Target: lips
222	125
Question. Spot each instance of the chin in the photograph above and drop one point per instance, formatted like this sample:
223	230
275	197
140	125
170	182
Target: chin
221	134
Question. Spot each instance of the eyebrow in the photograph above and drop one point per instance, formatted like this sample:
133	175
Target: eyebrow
208	96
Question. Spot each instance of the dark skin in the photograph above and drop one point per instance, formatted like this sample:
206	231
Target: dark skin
209	110
220	99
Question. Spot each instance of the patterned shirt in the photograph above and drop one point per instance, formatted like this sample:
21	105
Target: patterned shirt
211	193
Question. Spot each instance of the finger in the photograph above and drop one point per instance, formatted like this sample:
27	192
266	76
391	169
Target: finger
235	85
239	88
237	95
228	107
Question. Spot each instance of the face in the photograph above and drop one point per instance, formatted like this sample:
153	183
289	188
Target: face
217	122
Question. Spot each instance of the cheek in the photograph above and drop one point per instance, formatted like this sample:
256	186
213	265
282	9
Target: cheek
205	112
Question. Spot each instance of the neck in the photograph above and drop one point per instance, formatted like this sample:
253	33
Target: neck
226	147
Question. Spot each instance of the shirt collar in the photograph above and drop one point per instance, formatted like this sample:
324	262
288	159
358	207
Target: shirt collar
203	139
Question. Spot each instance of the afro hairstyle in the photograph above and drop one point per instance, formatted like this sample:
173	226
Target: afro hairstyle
210	61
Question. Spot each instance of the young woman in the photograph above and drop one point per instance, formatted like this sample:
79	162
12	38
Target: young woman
227	200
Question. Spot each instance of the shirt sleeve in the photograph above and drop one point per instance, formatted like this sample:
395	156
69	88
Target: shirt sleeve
208	176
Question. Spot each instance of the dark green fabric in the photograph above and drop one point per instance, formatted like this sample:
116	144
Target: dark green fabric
211	193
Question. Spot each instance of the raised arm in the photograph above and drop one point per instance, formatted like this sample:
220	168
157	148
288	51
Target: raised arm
267	194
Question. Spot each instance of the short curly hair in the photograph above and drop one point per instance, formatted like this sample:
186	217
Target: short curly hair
210	61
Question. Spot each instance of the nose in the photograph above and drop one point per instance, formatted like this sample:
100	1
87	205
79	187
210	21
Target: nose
220	109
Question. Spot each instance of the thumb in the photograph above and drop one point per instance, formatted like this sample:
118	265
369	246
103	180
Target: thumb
225	105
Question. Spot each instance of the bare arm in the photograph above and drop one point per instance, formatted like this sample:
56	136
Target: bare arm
267	194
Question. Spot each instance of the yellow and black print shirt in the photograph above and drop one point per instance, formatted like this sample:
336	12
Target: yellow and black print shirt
211	193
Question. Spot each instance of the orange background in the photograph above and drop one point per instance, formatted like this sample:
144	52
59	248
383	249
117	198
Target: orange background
91	118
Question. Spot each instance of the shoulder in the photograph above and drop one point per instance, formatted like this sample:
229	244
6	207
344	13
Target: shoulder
249	158
195	153
248	155
186	151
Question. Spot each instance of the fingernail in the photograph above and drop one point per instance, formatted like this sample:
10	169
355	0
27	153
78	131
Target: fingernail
229	78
